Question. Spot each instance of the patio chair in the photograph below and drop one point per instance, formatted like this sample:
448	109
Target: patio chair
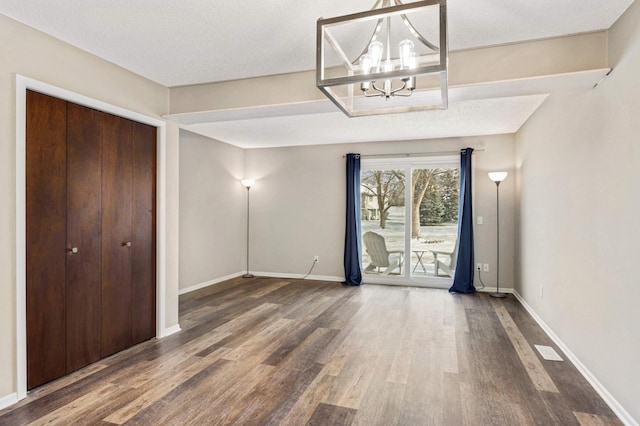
448	266
381	257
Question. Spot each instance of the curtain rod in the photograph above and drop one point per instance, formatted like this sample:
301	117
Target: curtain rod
416	154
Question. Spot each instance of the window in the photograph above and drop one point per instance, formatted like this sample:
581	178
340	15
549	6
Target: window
410	219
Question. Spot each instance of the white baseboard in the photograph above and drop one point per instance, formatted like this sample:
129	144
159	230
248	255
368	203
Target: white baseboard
208	283
615	406
258	274
8	400
298	276
494	289
171	330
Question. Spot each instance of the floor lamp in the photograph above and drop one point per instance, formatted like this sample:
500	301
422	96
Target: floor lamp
498	177
248	183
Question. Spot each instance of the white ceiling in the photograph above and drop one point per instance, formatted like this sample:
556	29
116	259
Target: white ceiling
182	42
466	118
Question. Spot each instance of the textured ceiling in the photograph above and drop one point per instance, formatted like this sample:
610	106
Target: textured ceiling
466	118
181	42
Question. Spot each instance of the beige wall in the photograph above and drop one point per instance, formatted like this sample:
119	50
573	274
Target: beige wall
478	66
578	161
33	54
212	210
298	203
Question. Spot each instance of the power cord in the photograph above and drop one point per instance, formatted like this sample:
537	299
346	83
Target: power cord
480	278
313	265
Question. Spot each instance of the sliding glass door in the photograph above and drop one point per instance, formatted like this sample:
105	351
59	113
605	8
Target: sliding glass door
409	220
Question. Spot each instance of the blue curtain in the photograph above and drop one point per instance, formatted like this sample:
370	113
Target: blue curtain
352	244
463	276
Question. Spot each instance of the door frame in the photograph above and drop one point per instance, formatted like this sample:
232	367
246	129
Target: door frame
22	85
408	163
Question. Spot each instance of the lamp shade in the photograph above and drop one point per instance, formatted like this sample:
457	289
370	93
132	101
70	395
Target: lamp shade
248	183
497	176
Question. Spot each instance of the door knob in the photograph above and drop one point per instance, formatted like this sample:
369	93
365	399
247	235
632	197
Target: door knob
126	244
73	250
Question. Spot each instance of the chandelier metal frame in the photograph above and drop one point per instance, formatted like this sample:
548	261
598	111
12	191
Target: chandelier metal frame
361	84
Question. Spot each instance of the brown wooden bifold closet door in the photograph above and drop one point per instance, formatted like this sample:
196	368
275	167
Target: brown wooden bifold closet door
116	233
143	251
91	243
46	222
84	169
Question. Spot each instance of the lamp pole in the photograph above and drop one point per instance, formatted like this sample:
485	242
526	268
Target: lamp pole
248	183
498	177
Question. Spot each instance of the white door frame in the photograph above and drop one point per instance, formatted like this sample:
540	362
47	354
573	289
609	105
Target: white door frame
22	85
433	160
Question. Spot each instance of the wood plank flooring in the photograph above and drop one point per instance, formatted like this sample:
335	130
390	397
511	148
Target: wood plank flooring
266	351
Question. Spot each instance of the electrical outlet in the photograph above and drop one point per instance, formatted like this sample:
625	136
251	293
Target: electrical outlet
480	221
485	267
478	267
316	258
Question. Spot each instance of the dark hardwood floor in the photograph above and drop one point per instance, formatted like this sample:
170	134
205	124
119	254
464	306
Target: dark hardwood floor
289	352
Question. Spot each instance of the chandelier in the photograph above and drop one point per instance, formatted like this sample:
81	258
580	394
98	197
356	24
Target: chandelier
398	70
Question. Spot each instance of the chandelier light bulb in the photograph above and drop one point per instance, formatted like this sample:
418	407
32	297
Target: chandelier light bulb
388	67
375	53
365	68
410	82
365	64
414	58
406	49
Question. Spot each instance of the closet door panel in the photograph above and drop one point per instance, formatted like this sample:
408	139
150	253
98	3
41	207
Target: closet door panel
116	233
46	219
84	268
143	250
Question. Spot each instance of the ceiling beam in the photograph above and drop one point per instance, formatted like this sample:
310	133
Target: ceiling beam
534	59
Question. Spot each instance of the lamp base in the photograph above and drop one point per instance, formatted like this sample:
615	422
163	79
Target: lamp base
498	295
247	276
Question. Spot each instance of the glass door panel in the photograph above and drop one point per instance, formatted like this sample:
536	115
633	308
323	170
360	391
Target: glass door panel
434	222
383	215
